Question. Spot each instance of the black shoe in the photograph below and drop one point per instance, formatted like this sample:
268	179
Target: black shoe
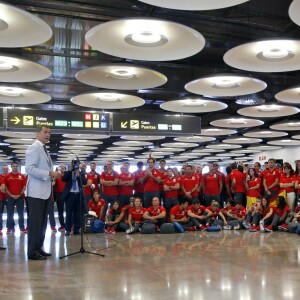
76	232
36	257
43	253
67	233
2	248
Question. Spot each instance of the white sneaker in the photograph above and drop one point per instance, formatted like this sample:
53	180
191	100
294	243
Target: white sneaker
129	230
227	227
261	226
237	227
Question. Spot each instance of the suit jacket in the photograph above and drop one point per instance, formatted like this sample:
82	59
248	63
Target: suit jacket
37	166
68	179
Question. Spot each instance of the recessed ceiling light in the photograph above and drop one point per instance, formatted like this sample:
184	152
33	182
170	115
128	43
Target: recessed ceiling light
269	108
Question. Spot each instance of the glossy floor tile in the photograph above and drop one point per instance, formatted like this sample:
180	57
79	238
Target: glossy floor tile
225	265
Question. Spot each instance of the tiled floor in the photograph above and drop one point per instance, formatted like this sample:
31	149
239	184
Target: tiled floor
226	265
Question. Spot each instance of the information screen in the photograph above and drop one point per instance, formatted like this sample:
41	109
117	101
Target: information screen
156	124
28	119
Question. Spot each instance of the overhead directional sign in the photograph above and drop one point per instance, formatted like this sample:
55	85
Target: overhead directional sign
156	124
28	119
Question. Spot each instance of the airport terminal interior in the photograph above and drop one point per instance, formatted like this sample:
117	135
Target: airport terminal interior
190	82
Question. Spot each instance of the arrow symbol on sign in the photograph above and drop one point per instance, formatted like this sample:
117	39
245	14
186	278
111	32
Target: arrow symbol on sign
16	120
124	124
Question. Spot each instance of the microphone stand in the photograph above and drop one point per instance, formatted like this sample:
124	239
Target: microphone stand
82	219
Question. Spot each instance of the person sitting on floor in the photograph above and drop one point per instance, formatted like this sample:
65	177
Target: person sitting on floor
179	216
155	214
135	216
214	215
96	204
113	217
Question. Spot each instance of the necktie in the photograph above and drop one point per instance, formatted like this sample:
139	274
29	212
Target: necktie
74	186
45	149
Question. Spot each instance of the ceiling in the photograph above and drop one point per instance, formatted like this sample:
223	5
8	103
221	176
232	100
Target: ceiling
67	53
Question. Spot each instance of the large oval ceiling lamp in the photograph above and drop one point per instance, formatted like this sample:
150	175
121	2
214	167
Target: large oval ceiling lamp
142	137
284	142
145	39
294	11
15	95
268	111
195	139
225	85
85	136
217	131
19	28
236	122
265	133
121	77
242	140
291	125
107	100
193	106
194	4
14	69
291	95
280	55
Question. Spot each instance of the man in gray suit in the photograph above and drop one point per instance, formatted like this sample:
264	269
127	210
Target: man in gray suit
38	166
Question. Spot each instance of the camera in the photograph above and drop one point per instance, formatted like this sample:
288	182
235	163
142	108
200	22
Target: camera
75	164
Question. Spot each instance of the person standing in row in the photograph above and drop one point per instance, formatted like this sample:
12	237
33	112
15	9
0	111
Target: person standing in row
38	166
15	184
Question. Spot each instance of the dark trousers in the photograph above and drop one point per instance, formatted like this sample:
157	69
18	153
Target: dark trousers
11	203
73	211
2	204
60	209
37	224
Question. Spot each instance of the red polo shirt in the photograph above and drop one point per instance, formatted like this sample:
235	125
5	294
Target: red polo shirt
110	190
15	183
150	184
171	182
270	177
189	182
126	177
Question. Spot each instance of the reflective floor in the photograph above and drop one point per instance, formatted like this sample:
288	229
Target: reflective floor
226	265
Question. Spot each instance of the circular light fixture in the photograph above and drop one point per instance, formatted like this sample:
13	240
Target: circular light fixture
225	85
180	145
17	23
12	95
284	142
107	100
142	137
291	95
237	123
82	142
145	39
195	139
265	134
193	106
288	126
13	69
223	146
85	136
294	12
266	56
194	4
268	111
264	148
242	140
132	143
121	77
217	131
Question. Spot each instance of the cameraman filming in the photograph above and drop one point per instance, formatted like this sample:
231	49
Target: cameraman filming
73	194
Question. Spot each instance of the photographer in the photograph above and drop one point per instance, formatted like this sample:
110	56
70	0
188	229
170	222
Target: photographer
74	179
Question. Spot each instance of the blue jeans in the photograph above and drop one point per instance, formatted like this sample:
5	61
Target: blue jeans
10	212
